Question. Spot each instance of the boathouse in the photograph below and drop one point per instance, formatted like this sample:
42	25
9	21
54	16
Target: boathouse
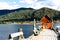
46	22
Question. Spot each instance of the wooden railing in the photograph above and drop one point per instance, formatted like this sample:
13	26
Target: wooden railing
17	34
20	33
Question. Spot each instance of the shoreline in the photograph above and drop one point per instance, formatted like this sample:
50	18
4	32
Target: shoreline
26	22
19	23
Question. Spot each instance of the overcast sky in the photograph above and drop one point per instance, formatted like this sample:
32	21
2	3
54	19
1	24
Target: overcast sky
36	4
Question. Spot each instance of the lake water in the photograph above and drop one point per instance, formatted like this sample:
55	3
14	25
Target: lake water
6	29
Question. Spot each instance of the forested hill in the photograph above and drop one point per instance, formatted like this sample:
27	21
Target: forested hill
28	14
53	14
18	14
7	11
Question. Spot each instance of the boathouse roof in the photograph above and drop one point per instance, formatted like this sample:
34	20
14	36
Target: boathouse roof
45	19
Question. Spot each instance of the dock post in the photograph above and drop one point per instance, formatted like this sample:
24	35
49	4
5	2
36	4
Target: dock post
10	38
35	31
34	22
20	36
34	25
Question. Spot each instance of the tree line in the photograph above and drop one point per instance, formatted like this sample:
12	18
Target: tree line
29	15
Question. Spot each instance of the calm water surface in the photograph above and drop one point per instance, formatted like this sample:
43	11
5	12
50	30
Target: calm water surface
6	29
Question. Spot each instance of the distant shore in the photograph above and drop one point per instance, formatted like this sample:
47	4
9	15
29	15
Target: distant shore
26	22
30	22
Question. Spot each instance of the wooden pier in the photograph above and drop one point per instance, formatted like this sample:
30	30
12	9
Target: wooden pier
45	34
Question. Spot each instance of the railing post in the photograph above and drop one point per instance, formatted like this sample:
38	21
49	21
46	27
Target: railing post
20	36
34	23
10	38
17	34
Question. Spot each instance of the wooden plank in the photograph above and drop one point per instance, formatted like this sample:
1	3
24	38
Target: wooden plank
45	34
16	34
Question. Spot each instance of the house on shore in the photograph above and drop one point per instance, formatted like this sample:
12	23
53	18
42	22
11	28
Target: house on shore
46	22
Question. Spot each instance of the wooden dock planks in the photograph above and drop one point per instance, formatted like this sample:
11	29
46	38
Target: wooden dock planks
45	34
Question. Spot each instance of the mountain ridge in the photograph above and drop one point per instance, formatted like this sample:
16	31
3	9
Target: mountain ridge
6	11
29	14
